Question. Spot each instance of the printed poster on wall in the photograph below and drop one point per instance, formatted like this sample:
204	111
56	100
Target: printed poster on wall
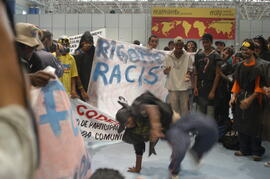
192	23
123	69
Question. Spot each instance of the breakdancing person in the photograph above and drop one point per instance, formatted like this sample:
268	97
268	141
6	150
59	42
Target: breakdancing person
148	118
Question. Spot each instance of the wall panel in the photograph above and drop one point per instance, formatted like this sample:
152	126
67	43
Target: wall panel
33	19
84	22
72	24
59	25
46	22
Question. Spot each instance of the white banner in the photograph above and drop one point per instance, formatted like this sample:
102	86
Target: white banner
123	69
75	40
62	150
95	125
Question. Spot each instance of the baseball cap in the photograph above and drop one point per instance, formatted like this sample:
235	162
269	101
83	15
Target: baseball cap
207	37
177	39
27	34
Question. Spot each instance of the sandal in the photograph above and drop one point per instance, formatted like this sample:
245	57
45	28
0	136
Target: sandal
238	154
257	158
267	164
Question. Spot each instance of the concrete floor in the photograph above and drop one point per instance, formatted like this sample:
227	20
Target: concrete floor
220	163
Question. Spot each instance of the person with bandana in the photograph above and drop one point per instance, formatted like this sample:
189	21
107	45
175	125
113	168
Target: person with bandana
84	56
247	98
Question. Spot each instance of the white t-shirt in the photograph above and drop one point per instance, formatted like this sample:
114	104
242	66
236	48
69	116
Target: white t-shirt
176	80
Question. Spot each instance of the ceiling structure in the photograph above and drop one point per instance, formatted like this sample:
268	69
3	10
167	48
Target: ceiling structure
248	9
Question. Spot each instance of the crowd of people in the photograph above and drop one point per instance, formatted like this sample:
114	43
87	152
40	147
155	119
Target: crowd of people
217	80
231	87
222	81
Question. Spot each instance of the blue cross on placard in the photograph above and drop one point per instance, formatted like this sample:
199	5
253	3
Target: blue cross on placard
52	117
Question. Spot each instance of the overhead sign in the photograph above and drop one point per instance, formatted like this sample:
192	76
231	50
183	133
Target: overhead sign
192	23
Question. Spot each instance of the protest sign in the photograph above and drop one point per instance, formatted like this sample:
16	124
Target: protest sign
95	125
123	69
62	150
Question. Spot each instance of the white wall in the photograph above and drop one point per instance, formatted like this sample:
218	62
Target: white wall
21	5
125	27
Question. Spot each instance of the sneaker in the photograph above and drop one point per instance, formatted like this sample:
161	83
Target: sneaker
267	164
257	158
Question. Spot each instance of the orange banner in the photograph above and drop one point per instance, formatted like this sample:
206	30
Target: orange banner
218	22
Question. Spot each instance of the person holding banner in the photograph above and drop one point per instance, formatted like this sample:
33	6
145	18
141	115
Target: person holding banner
148	118
84	56
153	42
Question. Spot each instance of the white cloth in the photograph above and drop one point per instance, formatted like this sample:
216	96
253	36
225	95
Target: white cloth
176	80
18	155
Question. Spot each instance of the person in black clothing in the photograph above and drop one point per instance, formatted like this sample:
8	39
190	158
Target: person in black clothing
265	83
84	56
261	49
206	76
223	92
246	97
148	118
267	109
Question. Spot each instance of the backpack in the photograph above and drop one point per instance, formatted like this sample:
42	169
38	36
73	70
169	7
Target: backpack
230	139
